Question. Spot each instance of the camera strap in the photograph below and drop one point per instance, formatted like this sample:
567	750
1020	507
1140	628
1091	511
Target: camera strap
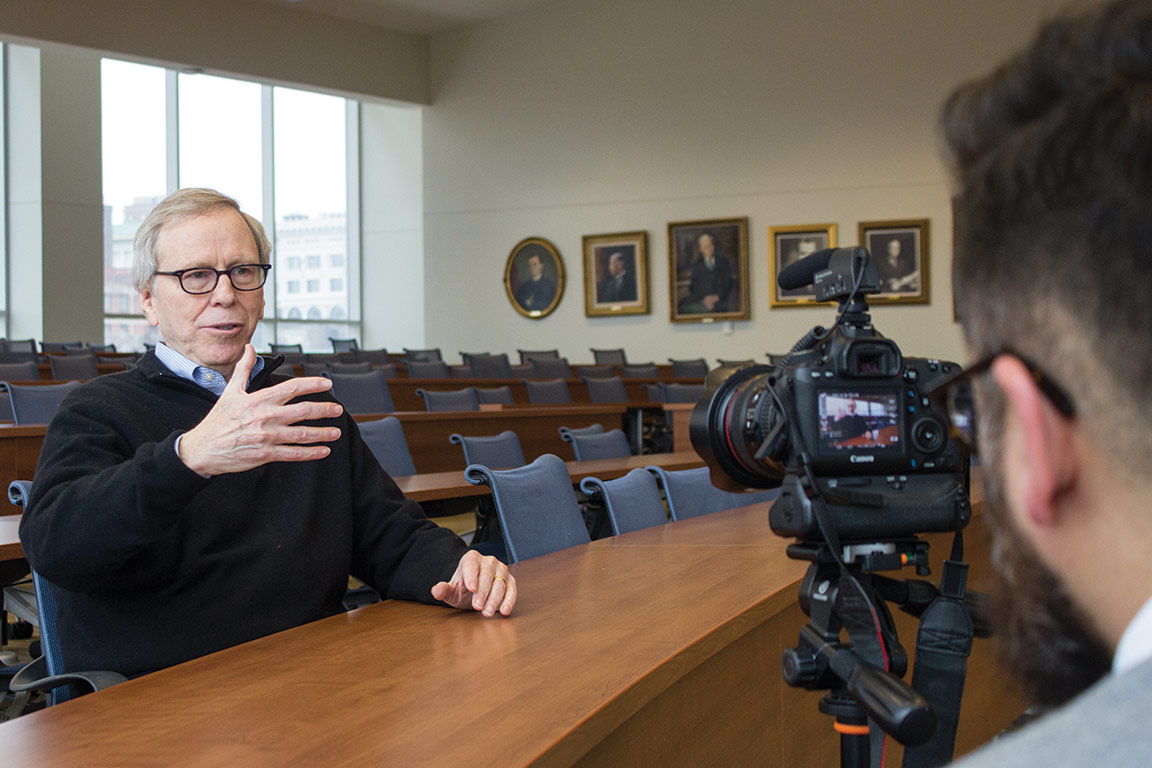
943	643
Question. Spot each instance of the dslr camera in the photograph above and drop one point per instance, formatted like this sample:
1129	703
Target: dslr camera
841	423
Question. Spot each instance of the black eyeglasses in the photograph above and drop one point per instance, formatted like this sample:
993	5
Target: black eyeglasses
201	280
958	400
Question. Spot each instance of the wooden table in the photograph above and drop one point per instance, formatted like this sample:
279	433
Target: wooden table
454	485
656	648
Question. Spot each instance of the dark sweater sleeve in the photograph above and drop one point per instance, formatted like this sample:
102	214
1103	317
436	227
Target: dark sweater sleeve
96	501
397	549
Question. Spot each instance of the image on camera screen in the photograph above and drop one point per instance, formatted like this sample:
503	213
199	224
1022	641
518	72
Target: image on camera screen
852	421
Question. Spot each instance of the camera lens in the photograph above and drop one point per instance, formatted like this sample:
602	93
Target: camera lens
928	435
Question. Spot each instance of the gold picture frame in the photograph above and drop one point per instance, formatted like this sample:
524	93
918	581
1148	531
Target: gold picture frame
534	295
787	245
616	274
899	251
708	270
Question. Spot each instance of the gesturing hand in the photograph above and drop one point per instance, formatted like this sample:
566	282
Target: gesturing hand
480	583
243	430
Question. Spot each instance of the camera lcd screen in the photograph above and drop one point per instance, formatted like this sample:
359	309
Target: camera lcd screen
859	421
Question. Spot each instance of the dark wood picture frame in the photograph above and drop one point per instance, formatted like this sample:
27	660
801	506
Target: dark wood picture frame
787	245
534	298
616	274
900	254
693	283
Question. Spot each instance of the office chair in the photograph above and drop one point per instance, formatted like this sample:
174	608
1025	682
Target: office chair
681	393
535	505
548	392
690	493
25	371
451	400
550	368
91	349
501	395
639	371
609	357
566	433
374	356
423	355
654	392
349	367
36	404
73	367
125	363
489	366
689	369
610	390
433	369
59	346
287	349
527	355
344	345
385	438
497	451
633	501
594	371
361	392
388	370
610	445
49	673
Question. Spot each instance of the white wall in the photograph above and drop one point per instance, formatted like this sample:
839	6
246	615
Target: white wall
591	116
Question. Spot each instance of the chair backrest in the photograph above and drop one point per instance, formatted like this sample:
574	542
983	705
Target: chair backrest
496	451
528	355
344	345
690	493
594	371
385	438
654	392
361	392
610	390
374	356
324	358
639	371
21	346
490	366
689	369
566	433
495	395
281	349
681	393
59	346
613	444
554	391
633	501
550	368
25	371
451	400
91	349
349	367
121	363
388	370
432	369
73	367
609	357
536	506
466	357
34	403
749	361
422	355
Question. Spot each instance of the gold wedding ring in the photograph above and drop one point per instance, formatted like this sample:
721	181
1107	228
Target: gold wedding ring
501	579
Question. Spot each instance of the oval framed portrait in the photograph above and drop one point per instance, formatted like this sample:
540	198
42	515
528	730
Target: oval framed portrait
534	277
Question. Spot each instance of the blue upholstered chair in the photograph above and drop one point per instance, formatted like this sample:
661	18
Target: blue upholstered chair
344	345
362	392
554	391
431	369
376	357
423	355
528	355
25	371
613	444
566	433
385	438
609	357
451	400
535	505
36	404
287	349
690	493
639	371
495	395
364	367
689	369
633	501
606	390
489	366
49	673
681	393
59	346
73	367
550	368
594	371
497	451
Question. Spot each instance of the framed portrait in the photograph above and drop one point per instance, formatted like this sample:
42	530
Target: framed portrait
616	274
708	270
900	254
789	245
534	277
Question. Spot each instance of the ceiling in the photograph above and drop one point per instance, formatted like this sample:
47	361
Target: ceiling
426	17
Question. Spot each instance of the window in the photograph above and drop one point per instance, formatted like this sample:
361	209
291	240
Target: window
284	154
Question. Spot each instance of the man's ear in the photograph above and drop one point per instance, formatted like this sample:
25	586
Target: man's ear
147	306
1044	463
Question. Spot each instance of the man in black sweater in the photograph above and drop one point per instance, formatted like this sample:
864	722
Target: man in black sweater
201	500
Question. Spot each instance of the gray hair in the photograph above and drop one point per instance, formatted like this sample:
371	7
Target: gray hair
178	206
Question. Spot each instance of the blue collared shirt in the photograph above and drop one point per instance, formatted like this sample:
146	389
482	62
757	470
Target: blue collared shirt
208	378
